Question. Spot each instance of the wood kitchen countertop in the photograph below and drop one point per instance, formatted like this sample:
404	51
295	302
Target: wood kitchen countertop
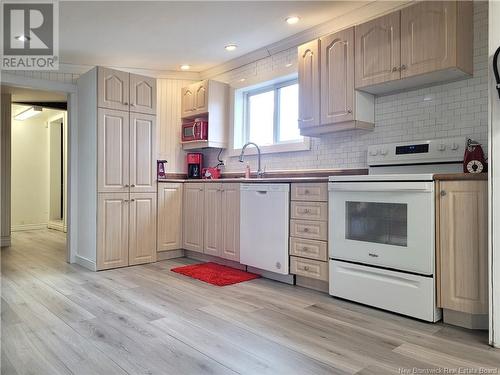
460	176
320	175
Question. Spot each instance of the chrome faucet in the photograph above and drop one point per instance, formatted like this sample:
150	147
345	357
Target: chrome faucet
260	172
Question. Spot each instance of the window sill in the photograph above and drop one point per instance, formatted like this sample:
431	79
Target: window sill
305	145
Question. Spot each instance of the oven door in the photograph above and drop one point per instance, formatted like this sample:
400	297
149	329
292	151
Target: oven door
386	224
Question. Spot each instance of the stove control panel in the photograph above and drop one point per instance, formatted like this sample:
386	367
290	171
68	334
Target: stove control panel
414	152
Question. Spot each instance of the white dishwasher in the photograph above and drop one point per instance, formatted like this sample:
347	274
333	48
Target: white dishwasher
264	224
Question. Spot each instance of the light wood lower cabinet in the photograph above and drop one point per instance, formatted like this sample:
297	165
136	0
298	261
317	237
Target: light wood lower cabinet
126	229
462	246
169	216
142	228
112	230
193	216
222	220
213	219
231	222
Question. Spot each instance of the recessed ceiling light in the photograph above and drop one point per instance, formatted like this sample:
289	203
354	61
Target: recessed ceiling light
288	65
243	79
292	20
22	38
185	67
231	47
28	113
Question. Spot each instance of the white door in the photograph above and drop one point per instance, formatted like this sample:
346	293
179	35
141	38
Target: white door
384	224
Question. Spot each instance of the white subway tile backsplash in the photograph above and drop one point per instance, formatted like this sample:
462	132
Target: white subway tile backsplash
453	109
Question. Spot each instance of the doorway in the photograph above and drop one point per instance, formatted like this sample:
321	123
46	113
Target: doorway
38	182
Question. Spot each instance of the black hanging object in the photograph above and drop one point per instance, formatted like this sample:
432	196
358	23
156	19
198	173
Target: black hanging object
495	70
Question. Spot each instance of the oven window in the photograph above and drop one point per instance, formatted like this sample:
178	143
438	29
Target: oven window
385	223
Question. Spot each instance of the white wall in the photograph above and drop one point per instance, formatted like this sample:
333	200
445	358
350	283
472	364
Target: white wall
30	172
453	109
494	255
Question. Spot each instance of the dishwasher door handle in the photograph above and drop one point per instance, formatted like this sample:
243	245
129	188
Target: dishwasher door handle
261	191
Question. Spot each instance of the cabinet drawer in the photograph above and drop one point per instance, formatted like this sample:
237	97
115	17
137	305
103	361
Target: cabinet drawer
309	192
314	269
314	230
309	210
311	249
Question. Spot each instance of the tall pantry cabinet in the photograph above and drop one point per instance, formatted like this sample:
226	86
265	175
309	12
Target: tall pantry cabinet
116	169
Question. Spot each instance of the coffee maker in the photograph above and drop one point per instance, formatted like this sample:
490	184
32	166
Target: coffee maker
194	164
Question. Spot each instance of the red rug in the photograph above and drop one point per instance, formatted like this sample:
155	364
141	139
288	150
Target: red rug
215	274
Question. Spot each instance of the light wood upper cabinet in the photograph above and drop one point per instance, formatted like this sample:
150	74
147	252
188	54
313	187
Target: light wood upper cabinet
463	245
113	140
142	94
193	216
201	97
309	85
230	221
378	50
213	219
428	32
331	104
112	230
426	43
142	152
169	216
142	228
112	89
187	101
337	77
195	99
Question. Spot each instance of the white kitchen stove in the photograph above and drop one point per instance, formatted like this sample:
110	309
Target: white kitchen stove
381	227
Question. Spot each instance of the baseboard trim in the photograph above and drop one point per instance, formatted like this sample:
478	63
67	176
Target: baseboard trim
5	241
23	227
169	254
59	226
210	258
86	263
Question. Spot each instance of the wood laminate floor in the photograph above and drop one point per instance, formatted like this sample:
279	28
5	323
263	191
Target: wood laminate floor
62	319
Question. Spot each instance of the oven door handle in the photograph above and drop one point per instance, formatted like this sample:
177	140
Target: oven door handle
402	186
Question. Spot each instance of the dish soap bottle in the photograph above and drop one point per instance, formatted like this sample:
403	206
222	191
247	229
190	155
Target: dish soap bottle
247	171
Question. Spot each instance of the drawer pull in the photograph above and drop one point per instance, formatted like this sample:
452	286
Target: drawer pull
305	268
306	230
306	191
305	249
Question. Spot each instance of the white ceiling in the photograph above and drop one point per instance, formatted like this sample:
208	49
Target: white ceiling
162	35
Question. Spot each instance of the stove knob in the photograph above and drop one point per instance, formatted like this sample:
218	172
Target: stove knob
454	146
383	152
373	152
441	147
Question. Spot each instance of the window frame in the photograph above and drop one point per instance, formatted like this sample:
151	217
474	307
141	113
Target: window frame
275	87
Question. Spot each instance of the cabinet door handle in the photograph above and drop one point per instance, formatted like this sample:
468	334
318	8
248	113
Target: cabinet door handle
132	185
126	200
126	185
125	103
442	193
132	200
395	69
132	104
403	67
349	110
